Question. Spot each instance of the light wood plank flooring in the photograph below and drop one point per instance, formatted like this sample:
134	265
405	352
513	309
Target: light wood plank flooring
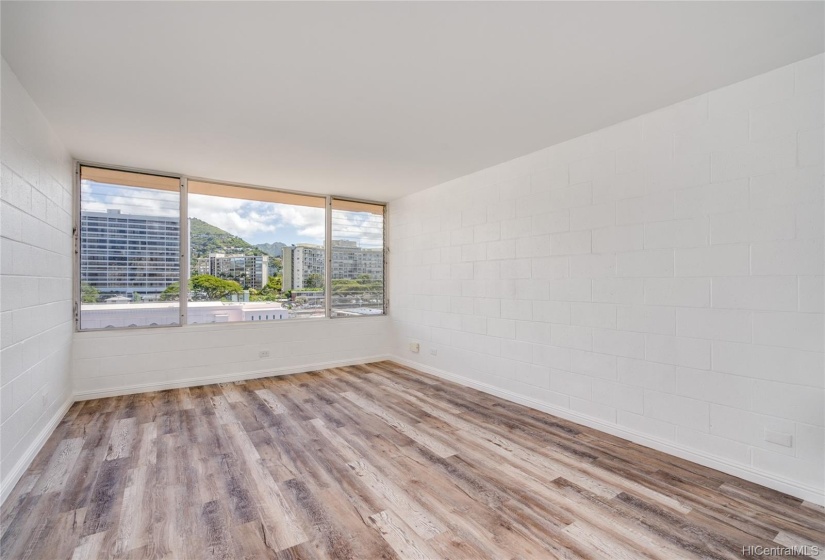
375	461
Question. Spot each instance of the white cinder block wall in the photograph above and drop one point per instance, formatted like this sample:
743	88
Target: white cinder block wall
45	365
36	285
660	279
127	361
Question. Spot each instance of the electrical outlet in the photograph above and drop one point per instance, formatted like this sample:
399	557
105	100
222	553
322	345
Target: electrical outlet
433	352
415	347
263	354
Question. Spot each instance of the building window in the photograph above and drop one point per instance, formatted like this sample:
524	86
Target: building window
129	247
229	254
236	258
357	259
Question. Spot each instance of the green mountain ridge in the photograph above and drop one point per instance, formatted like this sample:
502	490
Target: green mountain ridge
272	249
204	238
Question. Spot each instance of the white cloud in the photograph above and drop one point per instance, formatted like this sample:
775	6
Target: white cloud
363	227
307	221
100	198
248	219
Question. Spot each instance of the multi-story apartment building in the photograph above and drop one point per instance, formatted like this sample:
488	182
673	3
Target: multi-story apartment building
129	253
351	261
306	260
348	261
287	258
250	271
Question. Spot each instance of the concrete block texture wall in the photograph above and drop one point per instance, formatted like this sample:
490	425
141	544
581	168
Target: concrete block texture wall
130	361
661	278
36	281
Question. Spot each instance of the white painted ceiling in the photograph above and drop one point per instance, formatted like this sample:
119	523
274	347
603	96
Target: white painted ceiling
374	100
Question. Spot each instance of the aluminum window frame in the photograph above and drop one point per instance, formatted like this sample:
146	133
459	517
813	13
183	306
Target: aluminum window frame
384	248
184	272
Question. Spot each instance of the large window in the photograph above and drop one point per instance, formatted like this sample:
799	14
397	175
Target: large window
159	250
129	249
239	239
357	258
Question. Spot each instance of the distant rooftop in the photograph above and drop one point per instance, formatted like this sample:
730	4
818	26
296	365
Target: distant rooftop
117	213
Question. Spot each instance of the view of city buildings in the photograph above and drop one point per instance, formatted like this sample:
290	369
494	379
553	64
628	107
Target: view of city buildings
130	268
250	271
129	255
351	261
304	263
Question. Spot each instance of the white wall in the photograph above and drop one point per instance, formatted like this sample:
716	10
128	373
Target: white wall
125	361
660	279
35	286
45	365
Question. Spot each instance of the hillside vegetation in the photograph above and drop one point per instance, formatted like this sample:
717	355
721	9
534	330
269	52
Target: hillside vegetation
204	238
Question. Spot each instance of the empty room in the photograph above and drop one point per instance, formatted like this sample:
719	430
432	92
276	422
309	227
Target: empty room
412	280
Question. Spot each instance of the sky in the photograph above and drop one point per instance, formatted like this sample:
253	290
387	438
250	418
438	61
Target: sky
255	222
260	222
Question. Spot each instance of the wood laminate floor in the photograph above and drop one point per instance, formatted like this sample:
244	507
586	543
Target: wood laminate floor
375	461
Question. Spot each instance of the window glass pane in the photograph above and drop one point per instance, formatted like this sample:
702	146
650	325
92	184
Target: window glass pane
357	259
129	249
254	254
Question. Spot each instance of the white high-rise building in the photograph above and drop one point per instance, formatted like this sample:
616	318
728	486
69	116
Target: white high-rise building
129	253
349	261
306	260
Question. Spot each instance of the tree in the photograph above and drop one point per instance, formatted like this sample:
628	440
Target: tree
274	285
240	278
203	286
345	286
314	280
88	293
171	293
212	287
363	284
270	292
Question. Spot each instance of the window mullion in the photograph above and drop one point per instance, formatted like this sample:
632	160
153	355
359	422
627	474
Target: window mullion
328	259
183	283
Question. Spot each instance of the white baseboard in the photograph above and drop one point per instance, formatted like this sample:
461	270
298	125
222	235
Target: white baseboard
209	380
745	472
11	480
